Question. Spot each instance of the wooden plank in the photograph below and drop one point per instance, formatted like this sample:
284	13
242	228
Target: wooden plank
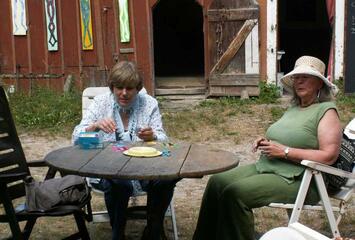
7	63
218	15
180	91
339	28
179	81
108	22
234	80
159	167
141	16
208	161
271	41
222	91
17	190
252	56
232	4
54	59
59	84
349	86
71	42
36	37
70	159
263	35
70	32
234	46
105	164
220	36
8	157
98	30
126	50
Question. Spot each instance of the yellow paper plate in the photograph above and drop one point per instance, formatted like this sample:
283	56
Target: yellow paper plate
142	152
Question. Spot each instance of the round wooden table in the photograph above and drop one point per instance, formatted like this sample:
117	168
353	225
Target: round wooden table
185	161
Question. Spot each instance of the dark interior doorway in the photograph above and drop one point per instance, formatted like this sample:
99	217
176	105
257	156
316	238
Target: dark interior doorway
304	29
178	38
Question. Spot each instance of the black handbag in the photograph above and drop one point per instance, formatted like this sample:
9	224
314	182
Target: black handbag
344	162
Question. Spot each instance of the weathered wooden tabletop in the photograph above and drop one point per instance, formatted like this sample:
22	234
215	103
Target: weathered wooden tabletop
185	161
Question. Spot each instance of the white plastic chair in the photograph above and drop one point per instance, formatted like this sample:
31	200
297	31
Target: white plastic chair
294	231
102	216
343	197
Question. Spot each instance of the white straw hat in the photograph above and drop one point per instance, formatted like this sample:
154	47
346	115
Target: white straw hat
311	66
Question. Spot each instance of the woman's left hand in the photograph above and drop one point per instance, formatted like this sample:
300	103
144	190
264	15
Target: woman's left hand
272	149
146	134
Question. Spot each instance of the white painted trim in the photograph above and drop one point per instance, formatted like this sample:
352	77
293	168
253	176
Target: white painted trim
271	45
252	51
339	39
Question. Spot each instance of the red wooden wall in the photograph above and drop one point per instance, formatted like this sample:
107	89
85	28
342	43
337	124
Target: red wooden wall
26	62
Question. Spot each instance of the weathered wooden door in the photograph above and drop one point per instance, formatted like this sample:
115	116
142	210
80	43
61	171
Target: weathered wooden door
230	22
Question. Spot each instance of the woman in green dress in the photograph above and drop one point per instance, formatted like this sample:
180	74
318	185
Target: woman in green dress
309	129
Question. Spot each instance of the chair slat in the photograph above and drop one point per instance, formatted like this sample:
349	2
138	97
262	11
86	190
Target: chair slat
5	146
16	191
13	168
10	158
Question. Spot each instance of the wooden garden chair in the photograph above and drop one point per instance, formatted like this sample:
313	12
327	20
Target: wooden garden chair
13	170
135	211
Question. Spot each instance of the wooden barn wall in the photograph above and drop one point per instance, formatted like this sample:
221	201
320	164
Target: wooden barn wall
262	38
25	60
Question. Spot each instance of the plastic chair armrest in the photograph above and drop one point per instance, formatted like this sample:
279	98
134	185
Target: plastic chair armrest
327	169
37	163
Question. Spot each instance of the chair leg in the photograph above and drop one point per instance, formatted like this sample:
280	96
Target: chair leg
173	220
10	212
80	221
301	196
89	213
28	227
327	206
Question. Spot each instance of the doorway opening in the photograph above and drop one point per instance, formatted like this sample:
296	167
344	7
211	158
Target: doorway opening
178	44
304	29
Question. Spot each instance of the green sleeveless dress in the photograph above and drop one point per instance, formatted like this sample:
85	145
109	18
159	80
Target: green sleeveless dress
297	128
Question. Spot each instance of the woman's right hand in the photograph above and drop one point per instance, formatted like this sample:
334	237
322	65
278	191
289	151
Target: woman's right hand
258	142
107	125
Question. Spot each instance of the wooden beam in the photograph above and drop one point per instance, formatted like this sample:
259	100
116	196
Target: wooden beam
126	50
234	80
218	15
233	91
179	91
234	46
97	17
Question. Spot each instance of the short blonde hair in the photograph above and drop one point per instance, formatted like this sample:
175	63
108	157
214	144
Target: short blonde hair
125	74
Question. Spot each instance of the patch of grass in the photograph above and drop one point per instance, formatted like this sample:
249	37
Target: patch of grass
269	93
276	113
345	103
46	109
